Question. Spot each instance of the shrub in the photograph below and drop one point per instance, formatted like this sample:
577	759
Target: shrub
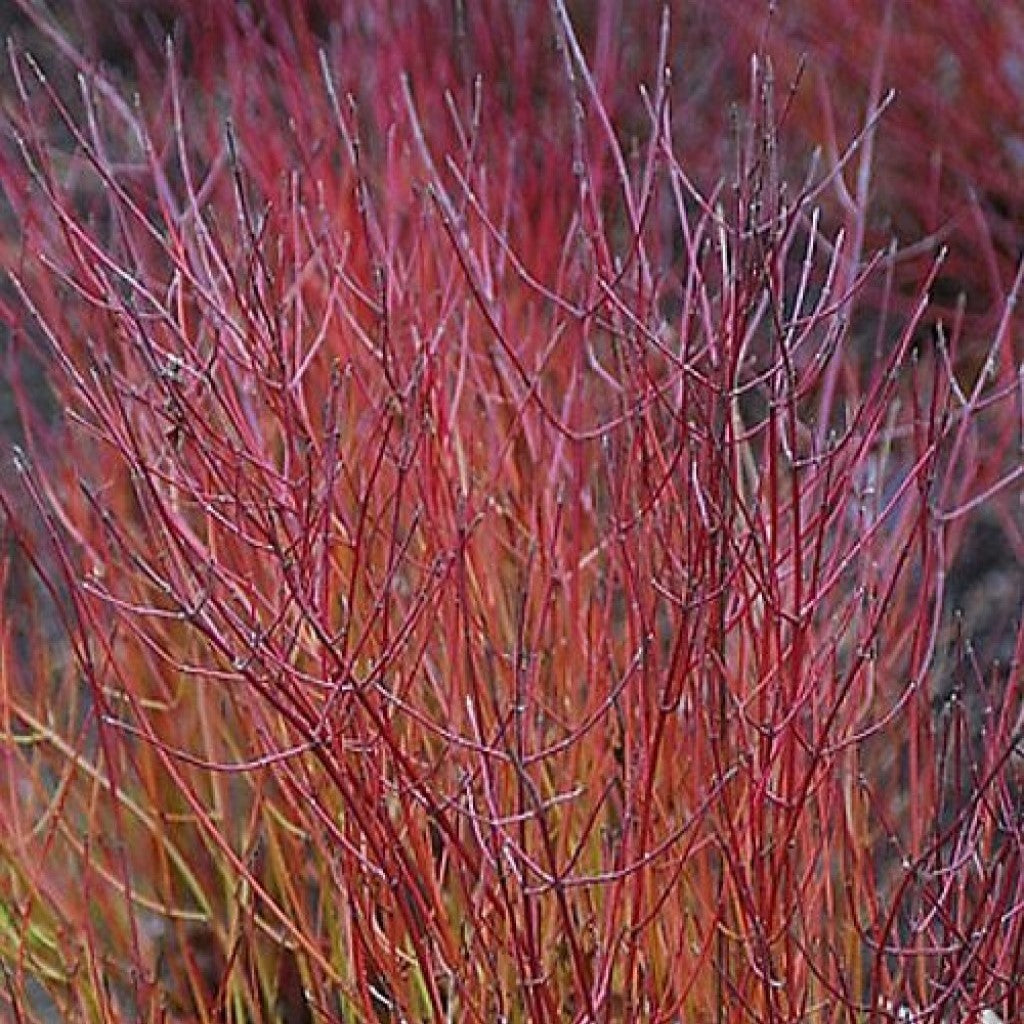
500	574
